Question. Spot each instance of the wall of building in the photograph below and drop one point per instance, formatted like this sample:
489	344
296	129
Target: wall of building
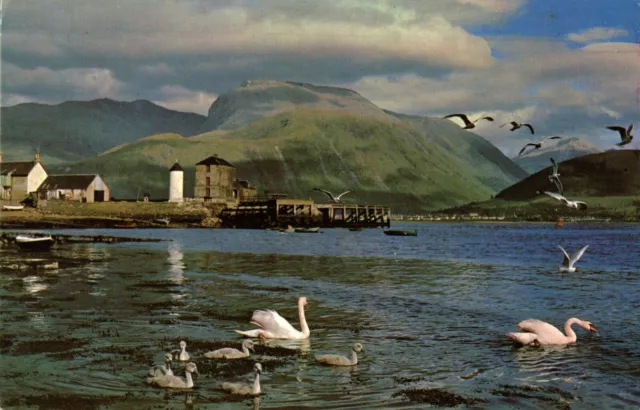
36	178
221	182
98	184
176	186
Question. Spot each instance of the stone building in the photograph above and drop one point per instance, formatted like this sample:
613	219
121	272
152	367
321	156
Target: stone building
244	191
215	180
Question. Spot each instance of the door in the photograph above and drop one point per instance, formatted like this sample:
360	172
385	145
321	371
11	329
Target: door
98	196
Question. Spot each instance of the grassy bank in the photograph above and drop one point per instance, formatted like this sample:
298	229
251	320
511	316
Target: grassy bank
544	208
65	214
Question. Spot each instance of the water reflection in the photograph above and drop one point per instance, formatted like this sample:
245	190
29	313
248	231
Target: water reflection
304	345
34	284
176	263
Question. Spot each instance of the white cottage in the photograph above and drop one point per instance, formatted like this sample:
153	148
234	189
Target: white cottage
19	178
75	187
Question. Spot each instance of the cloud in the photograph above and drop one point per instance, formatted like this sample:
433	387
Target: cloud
179	98
560	90
596	34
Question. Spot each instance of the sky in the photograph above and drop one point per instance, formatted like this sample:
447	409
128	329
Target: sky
568	67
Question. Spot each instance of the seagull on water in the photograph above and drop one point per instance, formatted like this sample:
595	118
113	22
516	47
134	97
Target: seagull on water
467	123
333	198
569	204
568	262
518	125
538	145
555	177
625	134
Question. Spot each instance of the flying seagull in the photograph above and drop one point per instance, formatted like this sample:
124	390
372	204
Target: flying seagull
335	199
555	177
518	125
467	123
538	144
569	204
568	262
625	134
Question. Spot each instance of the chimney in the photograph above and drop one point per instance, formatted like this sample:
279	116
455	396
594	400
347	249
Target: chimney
37	157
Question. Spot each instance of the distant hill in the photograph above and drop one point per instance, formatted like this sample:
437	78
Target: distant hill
382	160
257	99
74	130
610	173
534	160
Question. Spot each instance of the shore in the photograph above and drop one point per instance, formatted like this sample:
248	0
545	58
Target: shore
123	215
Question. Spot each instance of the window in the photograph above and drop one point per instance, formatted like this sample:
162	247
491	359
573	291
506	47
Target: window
207	192
208	168
208	183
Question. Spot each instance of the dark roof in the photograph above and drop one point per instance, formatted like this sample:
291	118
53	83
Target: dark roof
176	167
19	168
78	181
215	160
244	183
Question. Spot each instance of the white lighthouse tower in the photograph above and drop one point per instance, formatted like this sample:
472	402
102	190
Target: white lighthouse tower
176	183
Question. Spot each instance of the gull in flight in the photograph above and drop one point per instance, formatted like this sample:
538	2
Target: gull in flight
625	134
538	145
333	198
518	125
467	123
555	177
568	262
569	204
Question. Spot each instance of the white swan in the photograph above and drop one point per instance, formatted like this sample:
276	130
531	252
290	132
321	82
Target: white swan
231	353
244	388
181	354
175	382
542	333
162	370
570	204
568	262
337	360
274	326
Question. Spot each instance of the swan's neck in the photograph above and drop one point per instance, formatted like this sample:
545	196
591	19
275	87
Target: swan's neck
189	380
245	350
354	357
303	320
256	384
167	366
570	334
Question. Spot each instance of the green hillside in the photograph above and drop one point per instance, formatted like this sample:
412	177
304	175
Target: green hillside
74	130
384	161
534	160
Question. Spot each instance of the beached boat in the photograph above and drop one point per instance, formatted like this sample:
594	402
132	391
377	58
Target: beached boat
34	242
12	207
308	230
400	232
357	229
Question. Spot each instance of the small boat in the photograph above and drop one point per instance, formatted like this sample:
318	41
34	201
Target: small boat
12	207
287	230
400	232
357	229
34	243
559	222
308	230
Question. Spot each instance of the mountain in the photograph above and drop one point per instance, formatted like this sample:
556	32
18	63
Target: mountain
257	99
610	173
74	130
534	160
382	159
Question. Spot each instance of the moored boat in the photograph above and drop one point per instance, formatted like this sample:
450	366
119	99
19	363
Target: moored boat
308	230
357	229
401	232
12	207
34	242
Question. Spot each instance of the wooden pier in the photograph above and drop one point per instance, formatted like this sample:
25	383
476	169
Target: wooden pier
280	213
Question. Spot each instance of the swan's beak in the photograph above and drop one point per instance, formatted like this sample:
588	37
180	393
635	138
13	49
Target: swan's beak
593	328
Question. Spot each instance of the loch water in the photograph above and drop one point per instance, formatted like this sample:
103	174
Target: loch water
432	312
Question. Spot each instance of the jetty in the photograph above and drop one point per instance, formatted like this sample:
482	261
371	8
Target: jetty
264	213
